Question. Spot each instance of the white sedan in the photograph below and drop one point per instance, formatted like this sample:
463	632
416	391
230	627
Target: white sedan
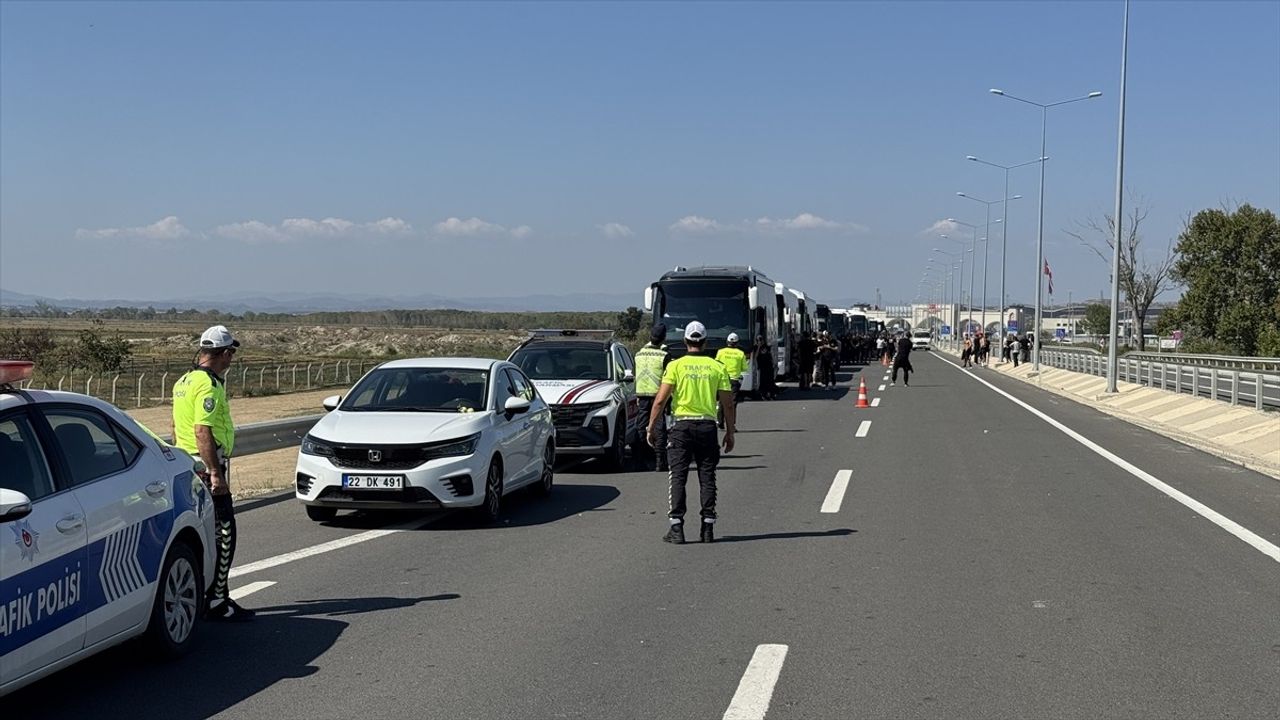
428	434
105	533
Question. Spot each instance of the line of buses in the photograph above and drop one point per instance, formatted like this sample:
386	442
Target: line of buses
745	301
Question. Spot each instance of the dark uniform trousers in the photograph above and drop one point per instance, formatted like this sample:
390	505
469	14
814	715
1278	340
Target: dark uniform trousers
659	432
693	442
225	524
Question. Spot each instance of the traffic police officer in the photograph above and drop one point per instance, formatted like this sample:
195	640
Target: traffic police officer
651	361
202	427
735	363
694	383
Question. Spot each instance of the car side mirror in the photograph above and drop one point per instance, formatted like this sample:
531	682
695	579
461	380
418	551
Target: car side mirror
515	406
628	376
332	402
13	505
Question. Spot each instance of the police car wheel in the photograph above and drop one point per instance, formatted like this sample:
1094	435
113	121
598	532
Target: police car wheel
179	603
321	514
616	456
543	486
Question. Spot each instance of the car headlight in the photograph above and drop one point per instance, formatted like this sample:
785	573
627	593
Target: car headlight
456	448
312	446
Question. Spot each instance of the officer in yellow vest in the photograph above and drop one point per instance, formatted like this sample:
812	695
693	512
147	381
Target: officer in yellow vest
202	427
693	384
651	361
735	363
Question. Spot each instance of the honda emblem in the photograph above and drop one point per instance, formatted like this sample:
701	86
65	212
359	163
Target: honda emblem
375	456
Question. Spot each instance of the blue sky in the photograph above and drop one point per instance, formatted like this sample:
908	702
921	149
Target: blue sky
510	149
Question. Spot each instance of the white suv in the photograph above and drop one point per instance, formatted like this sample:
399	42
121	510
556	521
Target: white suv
589	379
106	533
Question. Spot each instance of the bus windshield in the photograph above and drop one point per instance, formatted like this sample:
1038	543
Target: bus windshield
720	305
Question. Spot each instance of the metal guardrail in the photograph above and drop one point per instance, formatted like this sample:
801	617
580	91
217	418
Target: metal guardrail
1222	362
1238	387
271	435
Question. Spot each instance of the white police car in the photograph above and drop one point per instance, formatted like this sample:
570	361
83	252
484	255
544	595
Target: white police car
105	533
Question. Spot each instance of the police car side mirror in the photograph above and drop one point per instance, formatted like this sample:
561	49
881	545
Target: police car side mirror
13	505
628	376
332	402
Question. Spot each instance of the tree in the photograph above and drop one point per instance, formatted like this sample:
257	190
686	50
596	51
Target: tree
32	344
1141	280
630	322
1097	319
1229	261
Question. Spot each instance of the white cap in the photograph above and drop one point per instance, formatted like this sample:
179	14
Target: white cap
733	338
217	337
695	331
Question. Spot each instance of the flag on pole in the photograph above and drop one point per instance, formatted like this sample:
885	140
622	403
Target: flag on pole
1049	272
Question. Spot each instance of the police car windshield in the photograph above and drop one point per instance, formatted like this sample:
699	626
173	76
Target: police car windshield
550	362
419	390
720	306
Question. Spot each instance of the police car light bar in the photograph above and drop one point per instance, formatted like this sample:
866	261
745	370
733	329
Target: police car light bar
544	333
12	371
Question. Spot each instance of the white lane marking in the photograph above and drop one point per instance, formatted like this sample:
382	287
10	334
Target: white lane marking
324	548
251	588
863	428
881	389
1256	541
755	690
835	496
875	403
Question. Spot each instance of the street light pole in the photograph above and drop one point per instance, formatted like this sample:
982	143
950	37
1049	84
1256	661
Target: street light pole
1044	126
1114	338
973	249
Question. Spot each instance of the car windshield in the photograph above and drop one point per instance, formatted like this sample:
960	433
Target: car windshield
420	390
719	305
562	363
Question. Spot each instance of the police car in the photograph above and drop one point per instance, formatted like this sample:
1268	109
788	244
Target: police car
105	533
589	380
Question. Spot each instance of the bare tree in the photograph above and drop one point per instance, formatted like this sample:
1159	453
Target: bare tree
1142	280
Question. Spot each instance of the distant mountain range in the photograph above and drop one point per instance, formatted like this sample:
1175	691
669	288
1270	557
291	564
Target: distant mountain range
303	303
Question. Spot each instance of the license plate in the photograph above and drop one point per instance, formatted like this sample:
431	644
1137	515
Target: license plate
373	482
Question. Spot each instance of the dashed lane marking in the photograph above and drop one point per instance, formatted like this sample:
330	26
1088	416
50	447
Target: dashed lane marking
835	496
875	403
881	389
863	428
755	690
1253	539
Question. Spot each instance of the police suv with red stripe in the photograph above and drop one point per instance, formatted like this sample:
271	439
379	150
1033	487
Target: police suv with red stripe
105	532
588	378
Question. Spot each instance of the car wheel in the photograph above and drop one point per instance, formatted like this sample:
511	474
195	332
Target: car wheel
321	514
179	603
491	510
616	456
543	486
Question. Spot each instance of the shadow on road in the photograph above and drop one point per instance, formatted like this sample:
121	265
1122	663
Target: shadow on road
775	430
523	510
229	664
741	467
786	535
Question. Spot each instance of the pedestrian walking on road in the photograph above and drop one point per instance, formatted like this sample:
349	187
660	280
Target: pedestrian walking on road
902	361
651	361
807	351
966	353
735	363
766	368
202	427
694	383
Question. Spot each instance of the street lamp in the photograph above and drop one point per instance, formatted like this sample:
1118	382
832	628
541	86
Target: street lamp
972	269
955	292
1044	125
1004	232
988	203
968	308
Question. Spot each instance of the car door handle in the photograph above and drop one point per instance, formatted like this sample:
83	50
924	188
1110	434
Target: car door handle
71	524
156	489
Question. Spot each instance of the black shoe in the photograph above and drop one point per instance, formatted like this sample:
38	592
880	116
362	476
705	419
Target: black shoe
228	611
675	535
708	534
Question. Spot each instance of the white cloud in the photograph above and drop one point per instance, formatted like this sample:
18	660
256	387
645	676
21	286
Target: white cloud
806	221
941	227
696	225
256	231
168	228
475	227
616	231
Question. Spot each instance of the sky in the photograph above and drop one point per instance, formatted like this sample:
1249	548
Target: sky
160	150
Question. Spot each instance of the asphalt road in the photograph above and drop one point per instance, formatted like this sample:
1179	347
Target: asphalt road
981	563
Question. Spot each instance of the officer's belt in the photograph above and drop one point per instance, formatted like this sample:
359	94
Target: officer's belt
695	418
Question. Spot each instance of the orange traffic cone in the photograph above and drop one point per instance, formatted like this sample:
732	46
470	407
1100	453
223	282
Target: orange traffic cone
862	394
884	359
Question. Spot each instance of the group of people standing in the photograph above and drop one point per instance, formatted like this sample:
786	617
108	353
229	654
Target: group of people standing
977	349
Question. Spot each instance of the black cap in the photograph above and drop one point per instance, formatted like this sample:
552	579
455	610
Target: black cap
658	333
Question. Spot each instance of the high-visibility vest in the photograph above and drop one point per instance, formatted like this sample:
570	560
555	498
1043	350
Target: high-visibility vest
649	365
